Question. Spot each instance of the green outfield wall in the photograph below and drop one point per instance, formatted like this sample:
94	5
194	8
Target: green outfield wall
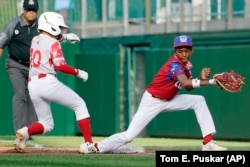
119	70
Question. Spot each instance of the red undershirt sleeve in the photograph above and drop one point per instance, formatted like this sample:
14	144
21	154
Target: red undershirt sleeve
67	69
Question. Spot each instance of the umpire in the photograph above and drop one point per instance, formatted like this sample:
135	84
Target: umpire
17	36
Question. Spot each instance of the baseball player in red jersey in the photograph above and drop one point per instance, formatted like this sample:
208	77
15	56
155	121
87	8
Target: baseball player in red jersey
46	59
161	96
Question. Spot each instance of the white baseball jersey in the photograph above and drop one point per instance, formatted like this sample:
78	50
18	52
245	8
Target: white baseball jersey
45	53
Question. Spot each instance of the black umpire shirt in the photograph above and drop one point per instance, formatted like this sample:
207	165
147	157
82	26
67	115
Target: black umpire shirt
17	36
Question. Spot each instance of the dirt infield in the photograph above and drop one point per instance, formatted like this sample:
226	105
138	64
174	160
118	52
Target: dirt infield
33	150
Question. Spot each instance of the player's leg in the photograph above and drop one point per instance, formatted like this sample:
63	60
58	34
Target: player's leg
43	111
44	124
65	96
199	105
149	107
203	115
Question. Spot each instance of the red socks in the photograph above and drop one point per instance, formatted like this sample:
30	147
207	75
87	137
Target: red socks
207	139
85	127
35	128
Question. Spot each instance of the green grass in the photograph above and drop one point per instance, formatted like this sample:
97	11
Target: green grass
76	160
96	160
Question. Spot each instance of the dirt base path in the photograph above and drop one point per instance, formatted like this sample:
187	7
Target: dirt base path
33	150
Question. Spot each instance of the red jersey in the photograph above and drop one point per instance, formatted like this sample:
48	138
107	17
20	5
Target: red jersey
165	84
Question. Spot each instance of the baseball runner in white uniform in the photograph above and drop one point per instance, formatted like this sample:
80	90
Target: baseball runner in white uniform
161	96
46	59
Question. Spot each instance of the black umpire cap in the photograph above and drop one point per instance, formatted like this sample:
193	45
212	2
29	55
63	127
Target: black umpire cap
30	5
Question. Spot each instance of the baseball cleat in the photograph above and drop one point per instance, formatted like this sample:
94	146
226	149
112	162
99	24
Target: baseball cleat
21	139
213	146
128	149
88	148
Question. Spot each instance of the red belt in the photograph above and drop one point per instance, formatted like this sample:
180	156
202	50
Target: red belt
39	76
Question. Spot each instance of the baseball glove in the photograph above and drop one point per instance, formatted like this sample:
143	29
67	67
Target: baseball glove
229	81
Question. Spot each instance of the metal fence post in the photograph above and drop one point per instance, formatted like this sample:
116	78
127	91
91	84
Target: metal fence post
125	17
84	19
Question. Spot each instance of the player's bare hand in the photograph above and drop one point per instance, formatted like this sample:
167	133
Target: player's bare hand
205	73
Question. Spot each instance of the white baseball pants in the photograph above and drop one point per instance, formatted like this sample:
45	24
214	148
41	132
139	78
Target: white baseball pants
150	107
49	89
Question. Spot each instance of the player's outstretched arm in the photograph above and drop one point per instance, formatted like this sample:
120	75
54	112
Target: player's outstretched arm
190	84
73	38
